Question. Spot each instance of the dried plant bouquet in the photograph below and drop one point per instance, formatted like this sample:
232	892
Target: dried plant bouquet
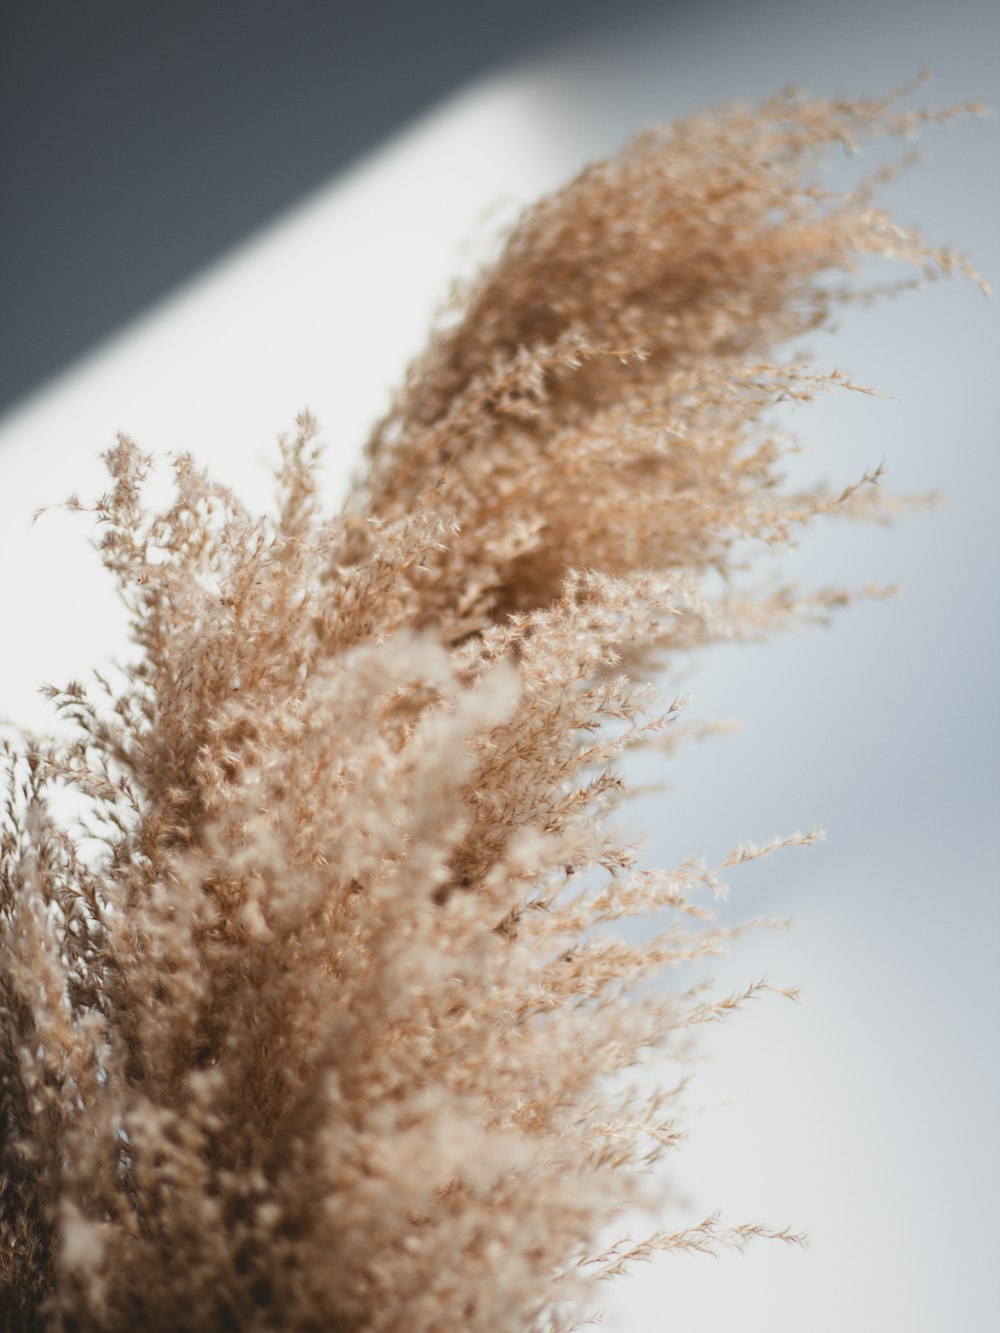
314	1008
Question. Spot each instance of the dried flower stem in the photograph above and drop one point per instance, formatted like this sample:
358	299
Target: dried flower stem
312	1018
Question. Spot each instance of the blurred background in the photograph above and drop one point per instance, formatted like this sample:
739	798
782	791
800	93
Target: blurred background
215	214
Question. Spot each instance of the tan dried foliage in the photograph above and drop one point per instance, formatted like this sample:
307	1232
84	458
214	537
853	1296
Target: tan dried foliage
317	1018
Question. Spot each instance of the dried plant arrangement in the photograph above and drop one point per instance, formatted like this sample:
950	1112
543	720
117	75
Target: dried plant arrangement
315	1012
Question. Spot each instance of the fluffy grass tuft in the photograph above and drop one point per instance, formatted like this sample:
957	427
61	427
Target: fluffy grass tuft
315	1015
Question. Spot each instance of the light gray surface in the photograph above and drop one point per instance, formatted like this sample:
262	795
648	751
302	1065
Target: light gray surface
867	1116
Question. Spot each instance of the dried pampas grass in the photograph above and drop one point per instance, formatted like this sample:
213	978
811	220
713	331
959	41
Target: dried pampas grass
315	1013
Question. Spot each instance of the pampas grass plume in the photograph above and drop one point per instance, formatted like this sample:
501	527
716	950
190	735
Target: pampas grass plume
315	1012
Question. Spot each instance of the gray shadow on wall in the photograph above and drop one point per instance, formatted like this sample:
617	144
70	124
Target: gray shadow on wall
140	142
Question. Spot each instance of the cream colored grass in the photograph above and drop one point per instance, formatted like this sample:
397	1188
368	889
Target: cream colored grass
319	1019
